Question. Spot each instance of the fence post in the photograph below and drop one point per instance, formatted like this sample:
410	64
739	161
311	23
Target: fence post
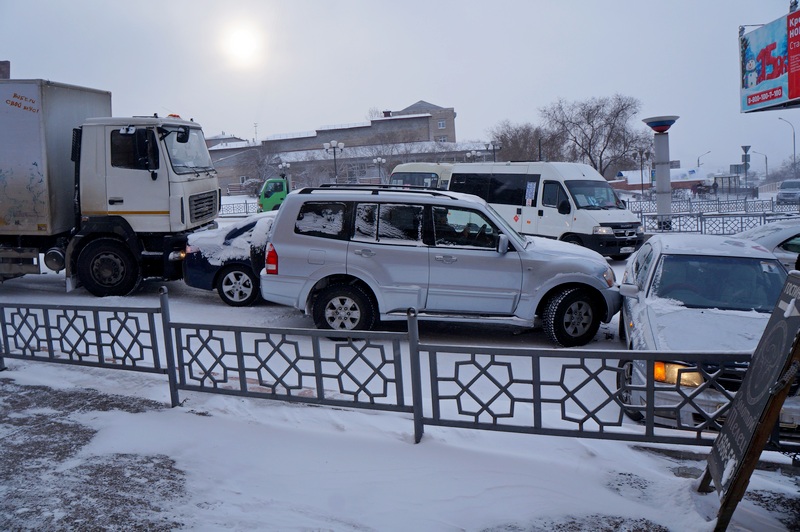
169	347
3	338
416	377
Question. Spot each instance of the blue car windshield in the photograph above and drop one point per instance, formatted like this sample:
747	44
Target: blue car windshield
727	283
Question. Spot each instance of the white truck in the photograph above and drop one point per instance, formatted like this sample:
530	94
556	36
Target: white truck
109	200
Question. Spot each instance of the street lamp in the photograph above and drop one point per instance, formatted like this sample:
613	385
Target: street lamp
641	170
698	158
333	147
472	156
766	165
794	148
494	146
379	161
282	169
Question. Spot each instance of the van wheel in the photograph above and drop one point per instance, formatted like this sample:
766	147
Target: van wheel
570	318
106	267
572	239
620	257
624	379
344	307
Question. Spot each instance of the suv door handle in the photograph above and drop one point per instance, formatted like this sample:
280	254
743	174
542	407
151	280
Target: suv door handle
447	259
364	252
114	201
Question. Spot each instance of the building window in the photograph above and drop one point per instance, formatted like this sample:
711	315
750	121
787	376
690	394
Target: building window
441	139
442	124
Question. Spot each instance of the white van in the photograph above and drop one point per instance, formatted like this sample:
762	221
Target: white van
568	201
428	175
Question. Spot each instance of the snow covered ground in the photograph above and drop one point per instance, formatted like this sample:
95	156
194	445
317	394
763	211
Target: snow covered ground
87	448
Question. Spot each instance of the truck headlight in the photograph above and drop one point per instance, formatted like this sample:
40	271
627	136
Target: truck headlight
639	230
601	230
670	373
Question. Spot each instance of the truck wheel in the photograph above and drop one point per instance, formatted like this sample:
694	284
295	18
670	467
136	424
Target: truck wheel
107	268
344	307
570	318
238	286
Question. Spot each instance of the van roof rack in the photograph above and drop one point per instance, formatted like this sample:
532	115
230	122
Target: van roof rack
376	189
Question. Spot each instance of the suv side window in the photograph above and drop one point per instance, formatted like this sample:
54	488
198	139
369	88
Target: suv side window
388	222
462	228
322	219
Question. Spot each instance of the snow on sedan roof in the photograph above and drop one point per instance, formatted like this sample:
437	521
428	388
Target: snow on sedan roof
694	244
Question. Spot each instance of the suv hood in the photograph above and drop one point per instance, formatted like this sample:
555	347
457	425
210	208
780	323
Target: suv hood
557	248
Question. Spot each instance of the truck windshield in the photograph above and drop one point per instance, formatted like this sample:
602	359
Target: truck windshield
191	156
590	194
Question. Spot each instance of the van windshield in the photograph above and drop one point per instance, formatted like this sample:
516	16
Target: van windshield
591	194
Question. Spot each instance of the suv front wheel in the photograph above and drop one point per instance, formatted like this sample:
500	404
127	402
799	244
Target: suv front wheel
570	318
344	307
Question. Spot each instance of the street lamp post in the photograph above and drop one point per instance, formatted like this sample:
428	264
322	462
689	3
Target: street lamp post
698	158
282	169
641	170
379	161
794	148
333	147
766	165
472	156
495	147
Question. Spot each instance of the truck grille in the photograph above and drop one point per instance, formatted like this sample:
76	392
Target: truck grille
203	207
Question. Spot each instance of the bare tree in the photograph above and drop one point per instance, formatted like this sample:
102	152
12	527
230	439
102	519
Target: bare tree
599	131
526	142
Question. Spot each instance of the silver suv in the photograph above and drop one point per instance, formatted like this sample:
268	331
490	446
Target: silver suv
789	192
350	256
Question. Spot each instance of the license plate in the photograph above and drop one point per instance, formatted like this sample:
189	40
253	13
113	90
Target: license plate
627	249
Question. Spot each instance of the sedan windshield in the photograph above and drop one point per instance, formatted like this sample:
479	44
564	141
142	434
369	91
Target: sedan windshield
591	194
727	283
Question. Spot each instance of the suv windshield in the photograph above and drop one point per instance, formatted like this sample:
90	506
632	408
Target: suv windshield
188	157
790	185
590	194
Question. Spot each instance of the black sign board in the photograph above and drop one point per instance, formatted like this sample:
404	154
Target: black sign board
756	407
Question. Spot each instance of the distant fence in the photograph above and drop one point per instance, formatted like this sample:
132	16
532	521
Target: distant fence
559	392
238	209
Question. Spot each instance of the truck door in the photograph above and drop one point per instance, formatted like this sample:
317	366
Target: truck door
551	222
136	186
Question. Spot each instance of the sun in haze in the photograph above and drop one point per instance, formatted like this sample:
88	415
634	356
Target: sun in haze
242	45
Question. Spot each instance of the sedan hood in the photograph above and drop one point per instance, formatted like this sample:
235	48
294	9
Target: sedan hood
677	328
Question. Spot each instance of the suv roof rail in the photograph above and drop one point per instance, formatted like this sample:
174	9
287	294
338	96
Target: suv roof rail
376	189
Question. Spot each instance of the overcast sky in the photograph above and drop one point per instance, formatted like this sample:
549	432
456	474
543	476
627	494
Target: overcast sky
296	65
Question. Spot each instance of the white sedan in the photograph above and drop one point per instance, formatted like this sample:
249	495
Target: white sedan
695	293
781	237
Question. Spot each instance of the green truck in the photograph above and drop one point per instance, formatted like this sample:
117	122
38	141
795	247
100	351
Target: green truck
272	193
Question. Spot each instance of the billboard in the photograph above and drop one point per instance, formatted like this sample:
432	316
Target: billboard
770	65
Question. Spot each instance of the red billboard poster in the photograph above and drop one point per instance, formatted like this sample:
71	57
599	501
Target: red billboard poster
766	55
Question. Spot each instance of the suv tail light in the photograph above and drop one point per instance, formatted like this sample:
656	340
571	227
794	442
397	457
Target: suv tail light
271	260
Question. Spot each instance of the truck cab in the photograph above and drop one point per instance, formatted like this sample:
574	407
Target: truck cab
272	193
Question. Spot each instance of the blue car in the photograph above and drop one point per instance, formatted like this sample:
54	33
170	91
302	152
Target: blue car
228	259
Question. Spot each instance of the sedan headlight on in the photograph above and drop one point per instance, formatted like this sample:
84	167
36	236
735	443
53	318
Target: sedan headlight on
670	373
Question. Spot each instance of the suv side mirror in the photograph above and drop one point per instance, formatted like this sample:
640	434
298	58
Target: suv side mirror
563	207
502	244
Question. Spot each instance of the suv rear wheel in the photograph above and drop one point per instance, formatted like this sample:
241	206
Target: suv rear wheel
344	307
570	318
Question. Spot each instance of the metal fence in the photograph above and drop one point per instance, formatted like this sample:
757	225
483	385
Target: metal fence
238	209
559	392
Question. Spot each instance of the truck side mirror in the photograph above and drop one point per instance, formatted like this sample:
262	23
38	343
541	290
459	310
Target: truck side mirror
182	135
564	208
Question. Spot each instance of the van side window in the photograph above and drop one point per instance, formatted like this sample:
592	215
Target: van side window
553	194
513	189
477	184
323	219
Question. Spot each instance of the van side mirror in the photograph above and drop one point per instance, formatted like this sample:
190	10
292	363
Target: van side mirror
564	208
502	244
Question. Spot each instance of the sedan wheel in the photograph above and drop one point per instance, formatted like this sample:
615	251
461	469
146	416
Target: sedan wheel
624	379
237	286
